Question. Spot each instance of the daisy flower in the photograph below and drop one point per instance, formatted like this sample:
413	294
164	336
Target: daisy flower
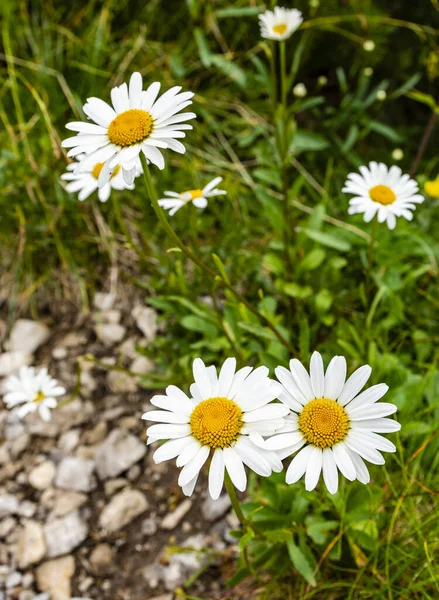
87	182
333	425
280	24
198	197
382	191
34	390
224	418
137	122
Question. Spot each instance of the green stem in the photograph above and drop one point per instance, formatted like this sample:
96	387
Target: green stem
180	244
283	75
371	254
234	500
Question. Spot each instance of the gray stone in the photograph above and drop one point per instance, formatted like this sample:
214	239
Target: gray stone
172	519
10	362
13	579
8	505
42	475
64	534
118	453
54	577
6	526
31	547
104	301
27	335
122	509
110	333
149	526
142	365
102	559
27	509
75	474
62	502
63	418
182	565
59	353
69	440
215	509
146	320
120	382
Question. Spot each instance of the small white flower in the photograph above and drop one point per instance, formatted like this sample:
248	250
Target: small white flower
381	95
322	81
34	390
280	24
382	191
332	425
369	46
137	122
368	71
397	154
87	182
225	418
198	197
299	90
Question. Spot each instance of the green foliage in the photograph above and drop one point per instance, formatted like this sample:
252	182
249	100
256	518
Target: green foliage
315	290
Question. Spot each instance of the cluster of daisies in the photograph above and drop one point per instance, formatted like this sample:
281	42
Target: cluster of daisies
237	418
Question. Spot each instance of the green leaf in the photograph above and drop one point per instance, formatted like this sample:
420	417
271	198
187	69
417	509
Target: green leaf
319	530
297	291
230	69
199	325
245	540
300	562
308	140
313	259
328	239
386	131
221	268
203	47
244	11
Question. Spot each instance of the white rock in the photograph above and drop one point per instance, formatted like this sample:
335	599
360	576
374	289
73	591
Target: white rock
172	519
146	320
149	526
59	353
13	580
69	440
142	365
64	534
102	559
12	361
27	335
54	577
31	547
27	509
8	505
63	419
42	475
120	382
214	509
104	301
118	453
182	565
122	509
6	526
110	333
75	474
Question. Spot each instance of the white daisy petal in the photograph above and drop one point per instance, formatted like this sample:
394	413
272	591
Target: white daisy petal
335	377
298	465
193	467
343	461
354	384
170	449
330	472
216	474
313	469
235	468
317	375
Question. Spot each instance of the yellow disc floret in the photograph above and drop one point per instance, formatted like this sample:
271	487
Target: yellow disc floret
382	194
96	171
280	29
130	127
323	422
39	397
216	422
432	188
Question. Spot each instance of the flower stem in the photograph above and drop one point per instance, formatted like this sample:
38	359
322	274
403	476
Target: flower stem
234	500
180	244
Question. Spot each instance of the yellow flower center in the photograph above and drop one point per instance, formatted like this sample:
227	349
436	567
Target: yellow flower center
432	188
40	396
382	194
280	28
195	194
323	422
130	127
98	168
216	422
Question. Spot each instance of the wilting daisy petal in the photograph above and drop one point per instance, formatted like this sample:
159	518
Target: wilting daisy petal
174	200
137	122
280	24
85	183
383	192
223	420
332	426
32	390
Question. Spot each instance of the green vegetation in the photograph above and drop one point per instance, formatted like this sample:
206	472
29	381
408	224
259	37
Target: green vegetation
340	286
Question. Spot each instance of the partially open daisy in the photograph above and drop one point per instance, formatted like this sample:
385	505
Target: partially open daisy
281	23
87	182
33	390
225	418
198	197
137	122
331	423
382	191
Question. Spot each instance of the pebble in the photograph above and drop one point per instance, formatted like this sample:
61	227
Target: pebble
59	353
149	526
142	365
215	509
120	382
31	547
8	505
64	534
69	440
13	579
114	485
118	453
75	474
10	362
42	475
27	509
122	509
54	577
172	519
95	435
146	320
103	301
27	335
110	333
102	559
6	526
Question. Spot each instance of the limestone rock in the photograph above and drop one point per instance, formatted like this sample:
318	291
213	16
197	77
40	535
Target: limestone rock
122	509
215	509
120	382
110	333
12	361
31	547
75	474
102	559
8	505
54	577
42	475
173	518
146	320
64	534
27	335
118	453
